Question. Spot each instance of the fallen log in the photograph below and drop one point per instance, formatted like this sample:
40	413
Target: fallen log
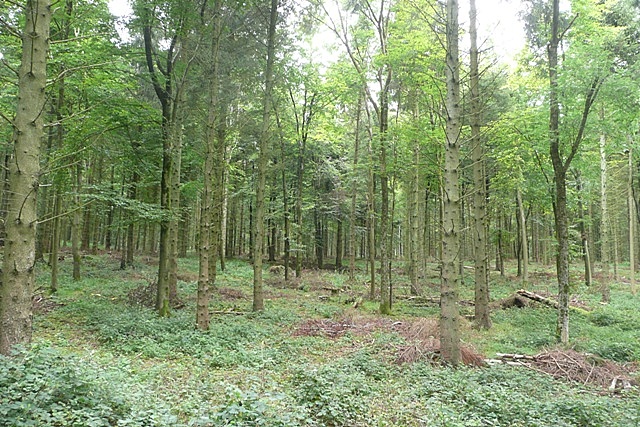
536	297
547	301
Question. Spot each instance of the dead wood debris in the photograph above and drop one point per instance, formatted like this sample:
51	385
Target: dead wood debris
43	305
523	298
573	366
422	337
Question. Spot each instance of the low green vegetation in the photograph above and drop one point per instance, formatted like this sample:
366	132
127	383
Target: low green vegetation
101	358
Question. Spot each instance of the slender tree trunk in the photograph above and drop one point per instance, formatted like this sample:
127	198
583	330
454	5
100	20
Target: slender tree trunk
76	224
632	224
450	277
16	288
263	157
481	259
561	165
584	237
354	193
176	163
55	241
339	245
371	224
414	229
524	240
604	219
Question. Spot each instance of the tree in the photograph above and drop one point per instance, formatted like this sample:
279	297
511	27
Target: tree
263	158
17	285
561	163
450	275
482	319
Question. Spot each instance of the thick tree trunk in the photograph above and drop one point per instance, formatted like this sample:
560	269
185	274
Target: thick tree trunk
450	277
263	158
16	289
481	259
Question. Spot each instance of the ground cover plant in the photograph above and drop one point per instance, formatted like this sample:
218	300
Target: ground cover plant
102	358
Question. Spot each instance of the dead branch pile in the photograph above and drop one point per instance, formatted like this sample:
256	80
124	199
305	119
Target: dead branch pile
423	344
42	304
144	295
337	328
572	366
230	293
422	336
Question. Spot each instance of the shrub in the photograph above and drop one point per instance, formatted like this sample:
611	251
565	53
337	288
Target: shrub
331	396
43	388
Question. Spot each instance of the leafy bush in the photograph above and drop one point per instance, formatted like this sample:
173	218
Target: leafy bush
501	396
42	388
331	396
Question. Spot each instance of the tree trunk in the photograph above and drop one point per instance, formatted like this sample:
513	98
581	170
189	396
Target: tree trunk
354	193
339	244
482	318
604	219
263	158
584	236
76	223
55	241
413	220
16	289
632	224
560	168
524	241
450	277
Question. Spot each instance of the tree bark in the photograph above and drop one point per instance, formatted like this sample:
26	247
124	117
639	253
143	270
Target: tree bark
632	224
450	277
263	158
604	219
16	289
76	223
482	318
560	168
354	192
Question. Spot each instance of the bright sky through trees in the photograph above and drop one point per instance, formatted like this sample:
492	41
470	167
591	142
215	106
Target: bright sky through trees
500	25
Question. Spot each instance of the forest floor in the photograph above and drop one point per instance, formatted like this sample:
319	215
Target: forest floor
101	356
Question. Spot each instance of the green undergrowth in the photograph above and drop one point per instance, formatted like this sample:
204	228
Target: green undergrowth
100	360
